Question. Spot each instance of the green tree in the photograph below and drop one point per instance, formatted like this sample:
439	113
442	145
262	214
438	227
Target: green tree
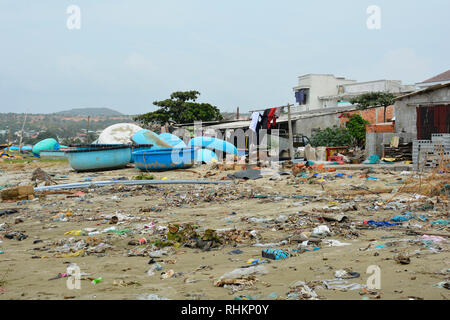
374	99
357	128
332	137
181	108
47	134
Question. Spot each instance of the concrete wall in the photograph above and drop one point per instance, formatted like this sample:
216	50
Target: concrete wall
405	109
393	86
375	141
306	125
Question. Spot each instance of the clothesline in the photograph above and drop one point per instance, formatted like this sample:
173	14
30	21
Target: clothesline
257	110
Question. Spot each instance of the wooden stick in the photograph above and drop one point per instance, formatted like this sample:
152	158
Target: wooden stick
429	233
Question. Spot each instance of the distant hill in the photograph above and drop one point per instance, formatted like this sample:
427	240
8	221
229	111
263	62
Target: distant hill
93	112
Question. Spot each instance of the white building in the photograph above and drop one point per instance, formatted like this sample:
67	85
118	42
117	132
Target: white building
313	86
316	91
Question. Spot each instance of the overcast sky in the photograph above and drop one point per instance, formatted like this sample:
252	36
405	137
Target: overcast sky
245	53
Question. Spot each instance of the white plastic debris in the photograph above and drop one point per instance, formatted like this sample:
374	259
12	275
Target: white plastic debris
340	273
281	219
151	296
157	253
322	229
341	284
244	272
336	243
270	244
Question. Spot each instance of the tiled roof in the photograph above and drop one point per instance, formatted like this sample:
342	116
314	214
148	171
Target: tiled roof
445	76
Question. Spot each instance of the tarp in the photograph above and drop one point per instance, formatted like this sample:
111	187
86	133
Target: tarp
213	143
205	155
120	133
24	148
46	144
173	140
149	137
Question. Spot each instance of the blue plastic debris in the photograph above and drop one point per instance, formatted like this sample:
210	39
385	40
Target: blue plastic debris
275	254
405	217
382	223
373	159
408	216
443	222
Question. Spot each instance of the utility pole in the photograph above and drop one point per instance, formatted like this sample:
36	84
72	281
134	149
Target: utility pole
9	134
87	133
21	133
291	141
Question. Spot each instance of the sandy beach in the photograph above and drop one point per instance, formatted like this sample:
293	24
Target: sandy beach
247	216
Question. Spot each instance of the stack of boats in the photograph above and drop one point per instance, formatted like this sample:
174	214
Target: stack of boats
145	149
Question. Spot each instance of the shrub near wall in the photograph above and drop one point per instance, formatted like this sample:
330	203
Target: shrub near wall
333	137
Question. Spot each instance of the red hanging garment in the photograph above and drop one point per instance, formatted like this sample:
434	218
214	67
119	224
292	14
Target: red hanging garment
272	120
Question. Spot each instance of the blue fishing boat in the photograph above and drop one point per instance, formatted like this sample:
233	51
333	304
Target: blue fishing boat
139	147
96	146
134	147
52	154
164	159
100	158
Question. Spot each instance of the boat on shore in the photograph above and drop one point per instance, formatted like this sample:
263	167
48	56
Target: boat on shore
164	159
99	158
52	154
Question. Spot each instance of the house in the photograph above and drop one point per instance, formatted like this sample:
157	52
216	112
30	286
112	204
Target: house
313	86
424	112
321	91
417	116
442	78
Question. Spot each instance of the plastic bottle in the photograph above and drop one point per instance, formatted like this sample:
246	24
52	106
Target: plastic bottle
98	280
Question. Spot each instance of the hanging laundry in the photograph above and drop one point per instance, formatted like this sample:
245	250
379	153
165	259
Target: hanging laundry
278	112
300	96
271	119
265	119
256	116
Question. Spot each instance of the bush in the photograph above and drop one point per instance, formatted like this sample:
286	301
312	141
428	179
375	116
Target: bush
332	137
357	128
